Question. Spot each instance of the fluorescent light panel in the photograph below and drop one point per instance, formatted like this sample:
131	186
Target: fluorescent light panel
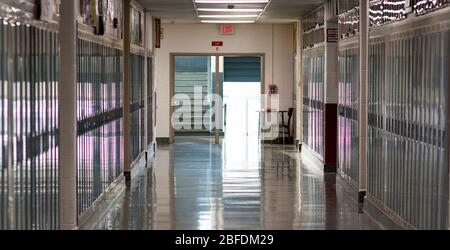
224	18
227	16
229	10
226	21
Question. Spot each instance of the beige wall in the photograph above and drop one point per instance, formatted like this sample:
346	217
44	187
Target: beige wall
275	41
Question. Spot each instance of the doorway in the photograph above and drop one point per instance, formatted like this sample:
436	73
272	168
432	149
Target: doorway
242	95
237	80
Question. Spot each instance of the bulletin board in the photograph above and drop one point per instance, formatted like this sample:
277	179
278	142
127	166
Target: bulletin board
137	26
103	15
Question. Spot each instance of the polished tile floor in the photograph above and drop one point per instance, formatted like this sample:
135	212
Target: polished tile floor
239	184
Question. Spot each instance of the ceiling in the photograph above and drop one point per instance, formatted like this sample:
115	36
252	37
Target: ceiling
182	11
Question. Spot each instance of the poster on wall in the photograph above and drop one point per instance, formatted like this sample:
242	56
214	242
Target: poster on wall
137	26
158	33
102	15
94	14
100	28
47	10
111	14
118	17
89	12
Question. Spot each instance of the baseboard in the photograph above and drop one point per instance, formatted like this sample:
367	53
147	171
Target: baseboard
163	140
276	142
380	217
332	169
212	134
98	206
350	188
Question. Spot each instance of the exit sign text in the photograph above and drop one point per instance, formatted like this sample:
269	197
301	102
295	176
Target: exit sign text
227	29
217	44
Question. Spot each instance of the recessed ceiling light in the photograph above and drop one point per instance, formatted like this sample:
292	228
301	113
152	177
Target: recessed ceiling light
259	6
229	10
227	16
226	21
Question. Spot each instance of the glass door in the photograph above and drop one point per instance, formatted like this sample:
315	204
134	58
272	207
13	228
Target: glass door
193	100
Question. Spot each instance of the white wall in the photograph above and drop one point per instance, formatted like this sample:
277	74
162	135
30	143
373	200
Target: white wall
299	83
149	31
275	41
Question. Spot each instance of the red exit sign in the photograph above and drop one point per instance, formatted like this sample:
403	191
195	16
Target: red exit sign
227	29
217	44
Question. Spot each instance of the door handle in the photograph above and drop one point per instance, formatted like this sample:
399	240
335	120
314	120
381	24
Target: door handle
225	114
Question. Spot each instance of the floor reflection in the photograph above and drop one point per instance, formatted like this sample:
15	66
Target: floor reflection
239	184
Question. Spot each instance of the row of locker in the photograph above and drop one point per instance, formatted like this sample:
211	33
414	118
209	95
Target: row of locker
100	127
29	121
99	91
313	99
138	105
382	13
348	136
29	59
407	86
407	164
407	105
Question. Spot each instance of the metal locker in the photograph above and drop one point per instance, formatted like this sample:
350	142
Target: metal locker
411	108
313	92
